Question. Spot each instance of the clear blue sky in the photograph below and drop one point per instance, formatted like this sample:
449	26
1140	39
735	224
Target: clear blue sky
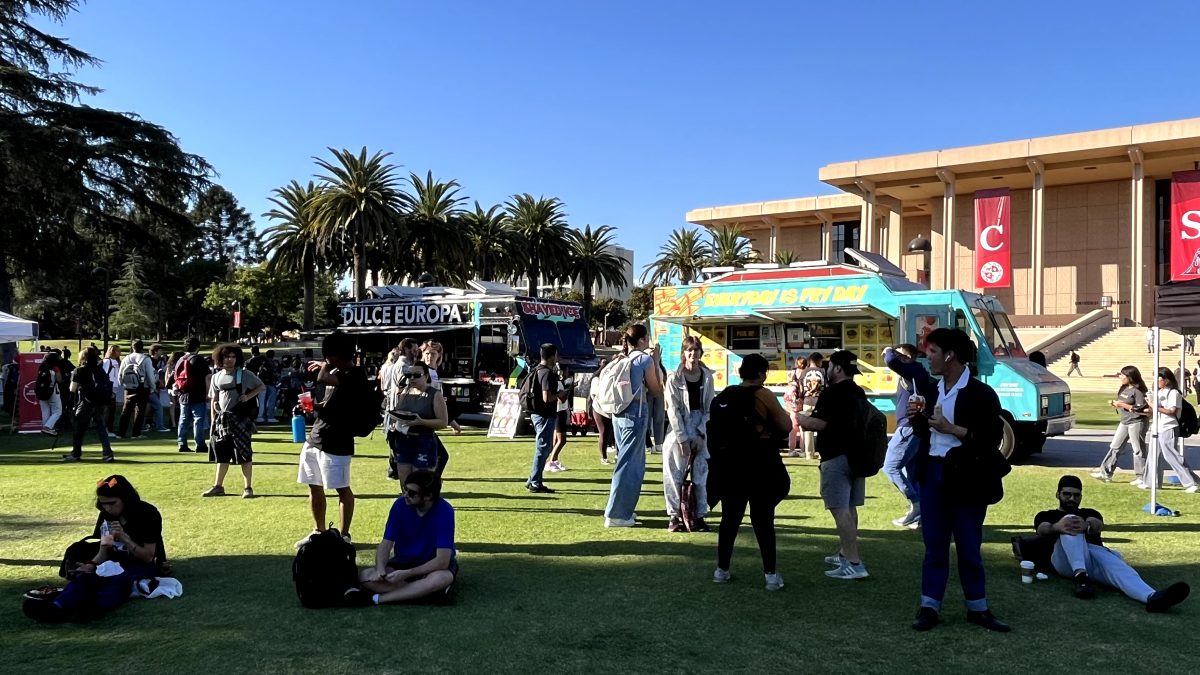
631	112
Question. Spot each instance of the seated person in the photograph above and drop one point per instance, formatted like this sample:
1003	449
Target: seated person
130	533
1080	554
416	558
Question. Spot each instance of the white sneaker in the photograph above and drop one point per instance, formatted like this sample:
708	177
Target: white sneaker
1100	475
836	559
605	461
619	522
1144	486
554	467
308	536
774	581
1193	490
1137	482
721	576
848	571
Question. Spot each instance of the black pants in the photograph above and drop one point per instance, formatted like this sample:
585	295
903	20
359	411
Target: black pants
88	416
762	518
137	401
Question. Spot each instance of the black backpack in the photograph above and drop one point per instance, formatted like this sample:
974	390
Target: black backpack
43	386
529	392
732	422
95	387
867	459
324	569
356	404
1188	424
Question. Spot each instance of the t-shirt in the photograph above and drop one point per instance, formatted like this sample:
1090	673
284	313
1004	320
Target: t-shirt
113	368
545	379
641	364
327	437
143	523
1136	398
417	538
695	391
837	406
813	381
223	389
1169	398
1054	515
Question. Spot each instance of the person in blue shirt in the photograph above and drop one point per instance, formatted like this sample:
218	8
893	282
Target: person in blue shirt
416	558
902	449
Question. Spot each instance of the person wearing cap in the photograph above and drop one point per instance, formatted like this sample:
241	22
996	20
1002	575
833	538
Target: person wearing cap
902	448
960	429
1079	552
836	421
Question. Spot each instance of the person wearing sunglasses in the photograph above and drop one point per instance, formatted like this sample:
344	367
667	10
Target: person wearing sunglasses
416	558
415	412
130	534
1079	552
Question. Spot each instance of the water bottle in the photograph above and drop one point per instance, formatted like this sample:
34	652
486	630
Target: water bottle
297	427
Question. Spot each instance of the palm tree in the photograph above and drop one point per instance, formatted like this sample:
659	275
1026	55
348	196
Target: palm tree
291	242
435	228
543	224
592	260
784	258
681	258
358	208
494	245
730	247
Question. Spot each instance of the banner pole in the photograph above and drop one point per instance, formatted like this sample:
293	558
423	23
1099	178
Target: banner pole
1152	468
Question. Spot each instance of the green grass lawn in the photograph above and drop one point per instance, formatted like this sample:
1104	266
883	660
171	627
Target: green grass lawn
1092	411
544	588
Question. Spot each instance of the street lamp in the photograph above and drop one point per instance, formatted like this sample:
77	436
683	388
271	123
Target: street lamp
605	333
921	244
107	299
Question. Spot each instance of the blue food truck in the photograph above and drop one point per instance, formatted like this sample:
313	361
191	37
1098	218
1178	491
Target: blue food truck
788	312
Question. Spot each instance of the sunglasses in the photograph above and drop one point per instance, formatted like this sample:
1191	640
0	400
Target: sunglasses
413	494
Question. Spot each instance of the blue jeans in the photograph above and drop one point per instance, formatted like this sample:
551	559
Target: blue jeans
940	521
897	465
156	410
543	428
266	402
193	421
629	428
89	591
658	418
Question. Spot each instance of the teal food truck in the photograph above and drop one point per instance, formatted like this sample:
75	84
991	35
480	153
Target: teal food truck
788	312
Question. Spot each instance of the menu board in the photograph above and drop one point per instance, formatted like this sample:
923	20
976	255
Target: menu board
506	415
744	338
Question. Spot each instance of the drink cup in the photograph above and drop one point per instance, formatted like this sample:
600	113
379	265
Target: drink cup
1027	571
306	402
917	400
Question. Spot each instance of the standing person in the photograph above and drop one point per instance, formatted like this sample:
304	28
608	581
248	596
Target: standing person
1074	364
902	448
435	356
112	368
689	394
562	421
192	382
137	376
230	387
957	482
47	390
751	472
325	459
604	428
794	401
417	411
91	385
169	392
158	398
1149	340
838	424
1130	404
1168	402
657	422
543	415
630	429
813	385
1196	381
268	374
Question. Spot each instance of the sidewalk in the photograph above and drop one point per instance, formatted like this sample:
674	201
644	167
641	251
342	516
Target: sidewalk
1084	448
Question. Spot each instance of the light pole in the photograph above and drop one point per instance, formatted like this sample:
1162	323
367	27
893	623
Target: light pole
605	333
107	300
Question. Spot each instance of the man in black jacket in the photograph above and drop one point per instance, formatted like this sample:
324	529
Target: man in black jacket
959	469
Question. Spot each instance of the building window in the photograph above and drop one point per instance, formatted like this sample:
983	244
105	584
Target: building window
1162	230
845	235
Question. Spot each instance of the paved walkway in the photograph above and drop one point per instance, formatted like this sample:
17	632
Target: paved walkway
1084	448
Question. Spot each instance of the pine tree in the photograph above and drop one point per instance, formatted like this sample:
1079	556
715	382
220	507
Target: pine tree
130	313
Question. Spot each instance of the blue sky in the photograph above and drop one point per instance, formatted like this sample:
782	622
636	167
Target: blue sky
631	112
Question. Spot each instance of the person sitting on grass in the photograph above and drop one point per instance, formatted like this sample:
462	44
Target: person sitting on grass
130	533
416	558
1079	553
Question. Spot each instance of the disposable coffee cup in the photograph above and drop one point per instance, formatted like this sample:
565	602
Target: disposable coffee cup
1027	571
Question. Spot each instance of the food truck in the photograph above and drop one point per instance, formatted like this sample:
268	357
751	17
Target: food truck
789	312
487	331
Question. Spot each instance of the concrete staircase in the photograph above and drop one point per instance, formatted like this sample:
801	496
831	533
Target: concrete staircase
1102	358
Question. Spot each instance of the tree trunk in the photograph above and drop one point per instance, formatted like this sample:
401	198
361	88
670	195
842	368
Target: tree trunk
360	274
6	291
587	302
310	283
534	273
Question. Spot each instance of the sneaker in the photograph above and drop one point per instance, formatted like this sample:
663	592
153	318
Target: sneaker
248	493
259	421
70	458
308	536
1193	490
848	570
356	597
49	432
184	448
988	621
272	420
700	526
721	576
927	619
539	489
774	581
676	525
795	453
619	522
1161	601
1144	486
107	458
346	538
1083	587
163	430
1137	482
214	491
605	461
1100	475
555	467
836	559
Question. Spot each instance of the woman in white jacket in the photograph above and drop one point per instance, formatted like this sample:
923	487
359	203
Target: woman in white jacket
688	393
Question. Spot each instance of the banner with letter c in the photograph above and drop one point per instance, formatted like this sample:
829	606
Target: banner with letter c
1185	225
993	238
28	408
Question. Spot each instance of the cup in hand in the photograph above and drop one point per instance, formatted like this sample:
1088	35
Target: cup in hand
916	402
1027	567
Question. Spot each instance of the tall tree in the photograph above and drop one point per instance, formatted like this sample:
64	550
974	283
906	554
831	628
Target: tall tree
131	299
680	259
730	247
641	302
224	230
543	224
291	241
494	244
434	226
359	206
591	260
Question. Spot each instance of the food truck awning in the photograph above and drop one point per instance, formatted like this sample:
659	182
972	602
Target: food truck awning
795	314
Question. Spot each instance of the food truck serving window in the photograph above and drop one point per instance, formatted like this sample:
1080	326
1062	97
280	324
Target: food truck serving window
744	337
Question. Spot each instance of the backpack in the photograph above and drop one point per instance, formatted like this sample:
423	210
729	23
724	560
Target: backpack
43	386
244	409
356	404
528	395
735	446
614	386
866	460
95	387
131	375
1188	424
190	373
324	569
266	372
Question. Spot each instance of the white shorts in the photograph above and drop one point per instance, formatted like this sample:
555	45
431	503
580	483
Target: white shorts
322	469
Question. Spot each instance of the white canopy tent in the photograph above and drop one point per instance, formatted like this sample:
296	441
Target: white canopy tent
15	329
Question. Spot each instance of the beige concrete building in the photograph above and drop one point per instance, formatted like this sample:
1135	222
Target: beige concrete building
1089	212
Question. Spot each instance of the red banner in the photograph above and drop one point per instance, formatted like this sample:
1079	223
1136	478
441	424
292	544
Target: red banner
993	238
1185	225
29	411
237	319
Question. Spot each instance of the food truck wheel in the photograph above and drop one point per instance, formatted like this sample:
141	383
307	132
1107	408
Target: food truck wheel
1008	441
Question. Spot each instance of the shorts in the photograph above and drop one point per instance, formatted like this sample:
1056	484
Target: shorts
563	418
226	451
839	488
322	469
419	450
